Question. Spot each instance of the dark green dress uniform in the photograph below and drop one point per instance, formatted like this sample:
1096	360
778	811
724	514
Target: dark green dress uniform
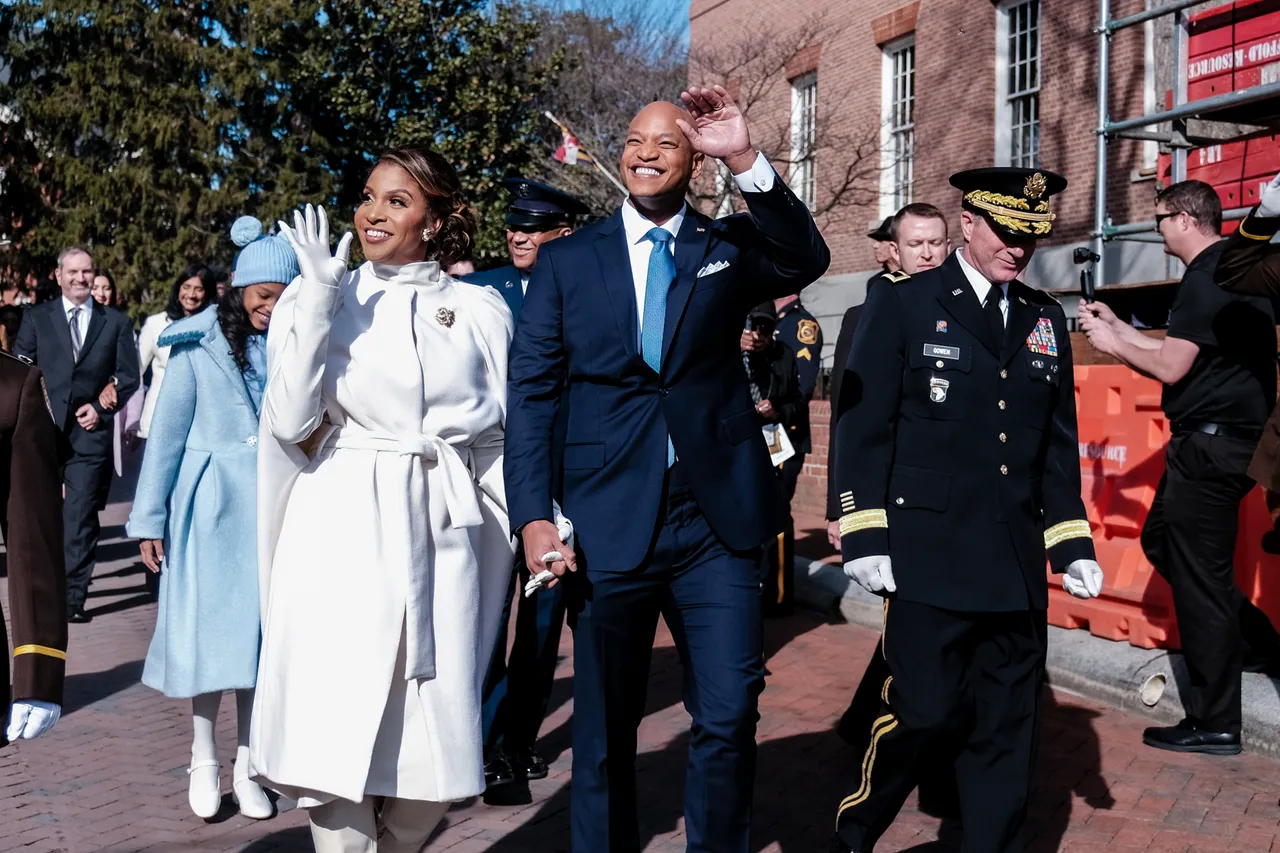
958	459
31	516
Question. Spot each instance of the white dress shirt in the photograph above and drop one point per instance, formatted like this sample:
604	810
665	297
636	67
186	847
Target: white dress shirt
524	284
982	287
759	178
83	320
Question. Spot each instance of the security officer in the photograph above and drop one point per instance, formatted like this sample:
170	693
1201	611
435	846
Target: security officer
516	691
959	471
31	518
798	329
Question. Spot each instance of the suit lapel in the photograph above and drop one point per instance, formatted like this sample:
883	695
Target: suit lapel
691	248
97	319
61	325
1023	317
961	302
614	256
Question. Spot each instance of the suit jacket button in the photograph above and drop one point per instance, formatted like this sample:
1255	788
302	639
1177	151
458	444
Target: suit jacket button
1004	374
1004	469
1001	405
900	501
1003	438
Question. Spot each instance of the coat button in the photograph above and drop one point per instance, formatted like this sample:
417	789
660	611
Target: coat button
252	441
1003	438
900	501
1004	374
1001	405
939	363
1004	469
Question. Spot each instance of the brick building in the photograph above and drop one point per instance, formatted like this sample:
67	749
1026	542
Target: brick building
945	85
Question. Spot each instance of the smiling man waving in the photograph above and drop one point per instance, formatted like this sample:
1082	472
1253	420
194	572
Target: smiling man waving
638	320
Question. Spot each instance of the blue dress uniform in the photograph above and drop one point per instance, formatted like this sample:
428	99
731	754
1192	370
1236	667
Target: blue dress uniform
959	460
516	691
798	329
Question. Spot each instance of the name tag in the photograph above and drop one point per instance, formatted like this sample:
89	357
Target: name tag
939	351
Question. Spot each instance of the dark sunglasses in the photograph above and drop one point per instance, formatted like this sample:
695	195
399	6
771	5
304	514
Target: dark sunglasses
1161	217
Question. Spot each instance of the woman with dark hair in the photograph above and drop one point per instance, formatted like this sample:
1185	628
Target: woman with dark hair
195	511
384	548
191	293
104	290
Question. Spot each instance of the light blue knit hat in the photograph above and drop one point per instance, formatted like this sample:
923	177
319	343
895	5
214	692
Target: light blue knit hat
263	257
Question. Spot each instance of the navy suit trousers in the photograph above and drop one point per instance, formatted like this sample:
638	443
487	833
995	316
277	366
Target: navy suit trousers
710	599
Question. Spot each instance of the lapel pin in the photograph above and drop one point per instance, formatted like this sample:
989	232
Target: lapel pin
701	229
957	291
444	317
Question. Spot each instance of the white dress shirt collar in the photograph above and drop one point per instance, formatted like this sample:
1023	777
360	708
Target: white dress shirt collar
981	286
637	225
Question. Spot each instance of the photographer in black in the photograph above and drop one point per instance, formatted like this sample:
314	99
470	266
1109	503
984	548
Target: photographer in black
784	417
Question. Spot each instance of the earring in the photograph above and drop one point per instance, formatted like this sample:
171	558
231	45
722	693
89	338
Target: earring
426	235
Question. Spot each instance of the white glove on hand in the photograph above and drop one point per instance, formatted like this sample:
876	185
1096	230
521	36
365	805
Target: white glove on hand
309	237
1269	198
874	574
30	718
563	525
1083	579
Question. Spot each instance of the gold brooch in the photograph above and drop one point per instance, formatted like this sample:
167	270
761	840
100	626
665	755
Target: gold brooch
1036	185
444	317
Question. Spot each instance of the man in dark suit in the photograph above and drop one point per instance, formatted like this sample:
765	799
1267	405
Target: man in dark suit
31	517
516	692
638	319
83	349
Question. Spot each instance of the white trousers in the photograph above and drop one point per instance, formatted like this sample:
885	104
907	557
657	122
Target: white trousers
402	826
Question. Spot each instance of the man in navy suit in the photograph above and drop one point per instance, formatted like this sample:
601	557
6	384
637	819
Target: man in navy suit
89	361
637	321
516	692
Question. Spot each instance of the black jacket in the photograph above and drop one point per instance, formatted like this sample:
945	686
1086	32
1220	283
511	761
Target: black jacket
108	352
775	373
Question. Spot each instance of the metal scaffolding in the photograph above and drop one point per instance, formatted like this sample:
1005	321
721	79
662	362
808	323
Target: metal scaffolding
1216	108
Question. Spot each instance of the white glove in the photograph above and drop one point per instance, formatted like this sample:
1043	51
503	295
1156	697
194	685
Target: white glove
874	574
30	718
1269	198
309	237
563	525
1083	579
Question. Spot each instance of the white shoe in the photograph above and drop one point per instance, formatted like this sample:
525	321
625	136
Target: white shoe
204	791
249	795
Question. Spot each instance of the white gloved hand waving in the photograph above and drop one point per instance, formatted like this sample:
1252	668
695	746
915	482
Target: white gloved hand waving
309	237
1269	198
874	574
1083	579
30	718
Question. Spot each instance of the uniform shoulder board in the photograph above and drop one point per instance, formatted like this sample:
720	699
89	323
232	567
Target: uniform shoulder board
16	357
897	277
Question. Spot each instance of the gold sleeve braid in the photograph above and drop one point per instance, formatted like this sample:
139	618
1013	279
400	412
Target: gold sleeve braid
863	520
1059	533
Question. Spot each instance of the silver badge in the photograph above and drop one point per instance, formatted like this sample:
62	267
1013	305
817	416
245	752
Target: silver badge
938	390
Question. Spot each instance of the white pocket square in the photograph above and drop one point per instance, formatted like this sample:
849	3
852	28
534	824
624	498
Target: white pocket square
713	268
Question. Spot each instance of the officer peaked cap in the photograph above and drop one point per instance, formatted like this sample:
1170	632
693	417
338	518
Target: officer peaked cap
1015	201
536	206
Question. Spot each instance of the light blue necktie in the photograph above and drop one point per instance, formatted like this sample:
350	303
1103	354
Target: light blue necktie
662	272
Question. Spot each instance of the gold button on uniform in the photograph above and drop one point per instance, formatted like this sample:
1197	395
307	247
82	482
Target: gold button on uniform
939	363
1004	469
900	501
1003	438
1002	406
1004	374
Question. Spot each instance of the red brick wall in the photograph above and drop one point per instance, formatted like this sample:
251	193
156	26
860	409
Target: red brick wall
811	490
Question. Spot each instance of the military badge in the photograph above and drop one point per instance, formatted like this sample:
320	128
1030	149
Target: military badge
807	332
805	354
444	317
940	326
1036	186
938	390
1042	341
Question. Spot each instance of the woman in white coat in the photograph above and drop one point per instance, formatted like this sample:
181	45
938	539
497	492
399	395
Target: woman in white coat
384	549
191	293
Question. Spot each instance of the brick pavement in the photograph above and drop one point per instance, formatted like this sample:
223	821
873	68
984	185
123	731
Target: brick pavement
111	776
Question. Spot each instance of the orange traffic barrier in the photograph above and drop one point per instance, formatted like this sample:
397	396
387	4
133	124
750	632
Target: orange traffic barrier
1123	434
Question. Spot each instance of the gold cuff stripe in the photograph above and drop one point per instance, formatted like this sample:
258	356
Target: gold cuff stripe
882	727
1247	235
1059	533
867	518
47	651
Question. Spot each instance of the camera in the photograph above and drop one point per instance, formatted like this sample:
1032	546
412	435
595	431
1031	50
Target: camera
1085	255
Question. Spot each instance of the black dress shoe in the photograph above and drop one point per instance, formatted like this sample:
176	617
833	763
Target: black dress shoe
77	616
527	764
1188	737
497	770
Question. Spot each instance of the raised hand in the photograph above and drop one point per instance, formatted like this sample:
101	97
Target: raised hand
1269	198
718	128
309	237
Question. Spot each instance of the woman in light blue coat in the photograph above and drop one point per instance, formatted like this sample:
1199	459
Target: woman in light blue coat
196	508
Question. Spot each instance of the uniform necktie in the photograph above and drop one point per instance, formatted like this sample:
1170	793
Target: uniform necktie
995	317
76	340
662	272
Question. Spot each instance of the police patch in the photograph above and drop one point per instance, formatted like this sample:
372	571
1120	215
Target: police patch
807	332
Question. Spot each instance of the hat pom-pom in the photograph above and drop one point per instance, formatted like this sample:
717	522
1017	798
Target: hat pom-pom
245	230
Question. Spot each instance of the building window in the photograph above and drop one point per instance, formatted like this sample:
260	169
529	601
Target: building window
1018	82
898	96
724	190
804	137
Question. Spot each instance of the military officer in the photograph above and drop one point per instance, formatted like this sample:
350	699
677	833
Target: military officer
798	329
516	691
31	518
958	472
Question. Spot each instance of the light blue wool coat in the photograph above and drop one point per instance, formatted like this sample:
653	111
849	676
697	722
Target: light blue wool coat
198	492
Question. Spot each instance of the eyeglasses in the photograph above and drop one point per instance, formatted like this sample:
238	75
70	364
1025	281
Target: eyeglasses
1161	217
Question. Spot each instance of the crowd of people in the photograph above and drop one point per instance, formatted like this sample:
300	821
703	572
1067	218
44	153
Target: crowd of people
352	476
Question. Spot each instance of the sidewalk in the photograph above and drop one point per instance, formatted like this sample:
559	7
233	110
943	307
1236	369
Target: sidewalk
111	777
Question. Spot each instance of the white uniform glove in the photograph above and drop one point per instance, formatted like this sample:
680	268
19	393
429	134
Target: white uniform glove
1269	198
309	237
1083	579
563	525
30	718
874	574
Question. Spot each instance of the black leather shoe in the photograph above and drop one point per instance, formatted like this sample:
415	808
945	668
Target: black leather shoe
77	616
1187	737
526	763
497	770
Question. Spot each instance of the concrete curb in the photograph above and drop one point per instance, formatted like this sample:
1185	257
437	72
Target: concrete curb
1144	682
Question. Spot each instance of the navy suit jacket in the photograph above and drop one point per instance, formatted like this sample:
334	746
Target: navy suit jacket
505	280
108	351
578	334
